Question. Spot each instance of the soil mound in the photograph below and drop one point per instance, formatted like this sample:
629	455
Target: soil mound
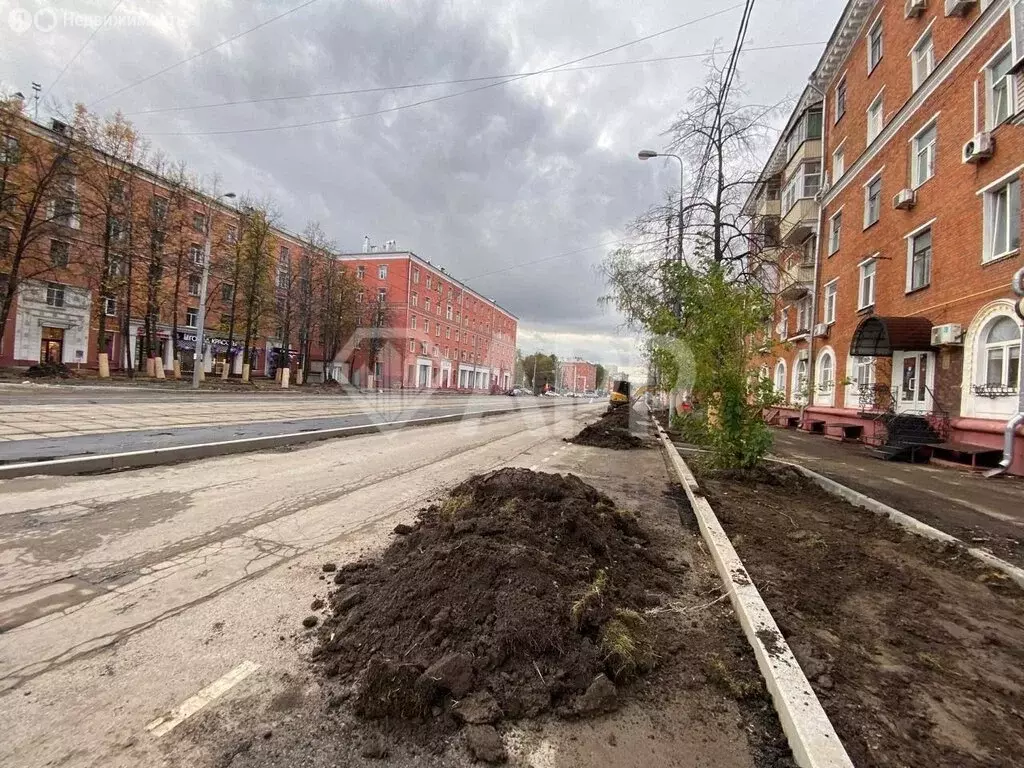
520	593
612	431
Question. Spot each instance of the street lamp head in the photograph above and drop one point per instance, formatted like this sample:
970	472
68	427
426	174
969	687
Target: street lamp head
229	195
646	154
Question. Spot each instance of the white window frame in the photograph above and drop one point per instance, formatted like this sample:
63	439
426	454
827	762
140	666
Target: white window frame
1006	349
839	161
800	365
925	45
415	275
55	295
879	102
382	271
988	195
831	301
360	272
110	306
194	312
1007	82
825	387
780	367
867	197
835	232
862	274
382	294
911	237
412	322
876	26
916	148
193	281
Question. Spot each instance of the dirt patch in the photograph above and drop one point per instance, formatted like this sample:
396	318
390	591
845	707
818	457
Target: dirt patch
916	652
521	586
611	431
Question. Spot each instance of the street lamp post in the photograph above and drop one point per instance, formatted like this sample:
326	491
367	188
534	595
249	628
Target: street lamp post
197	366
647	154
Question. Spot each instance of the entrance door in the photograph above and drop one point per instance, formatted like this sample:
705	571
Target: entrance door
51	349
917	378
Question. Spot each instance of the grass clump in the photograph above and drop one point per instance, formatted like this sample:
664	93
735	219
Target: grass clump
626	645
590	601
451	506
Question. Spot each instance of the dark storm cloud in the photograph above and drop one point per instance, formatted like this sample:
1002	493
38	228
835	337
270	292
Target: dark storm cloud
477	183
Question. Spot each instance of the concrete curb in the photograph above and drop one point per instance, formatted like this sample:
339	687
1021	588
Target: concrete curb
811	737
75	465
902	519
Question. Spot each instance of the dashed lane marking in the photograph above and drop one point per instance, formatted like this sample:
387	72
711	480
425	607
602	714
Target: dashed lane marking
212	692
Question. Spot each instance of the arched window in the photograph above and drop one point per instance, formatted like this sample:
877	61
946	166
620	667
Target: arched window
826	372
1001	352
780	377
799	393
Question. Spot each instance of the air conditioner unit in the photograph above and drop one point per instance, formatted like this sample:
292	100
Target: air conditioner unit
979	148
821	330
904	200
914	8
948	334
958	7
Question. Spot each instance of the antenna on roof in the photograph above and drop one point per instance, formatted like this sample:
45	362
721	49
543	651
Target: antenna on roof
366	244
36	89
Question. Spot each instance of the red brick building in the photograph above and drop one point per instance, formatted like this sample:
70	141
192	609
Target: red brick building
577	376
909	257
439	334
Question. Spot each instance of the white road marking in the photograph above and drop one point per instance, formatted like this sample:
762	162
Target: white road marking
545	459
534	467
213	691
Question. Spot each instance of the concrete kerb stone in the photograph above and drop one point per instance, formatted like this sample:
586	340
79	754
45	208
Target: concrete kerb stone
76	465
904	520
811	736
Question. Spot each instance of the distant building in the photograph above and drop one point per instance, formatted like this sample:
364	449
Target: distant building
577	375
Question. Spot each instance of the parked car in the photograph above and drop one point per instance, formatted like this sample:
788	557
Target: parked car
551	393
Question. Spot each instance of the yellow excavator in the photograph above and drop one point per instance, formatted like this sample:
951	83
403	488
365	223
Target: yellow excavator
619	393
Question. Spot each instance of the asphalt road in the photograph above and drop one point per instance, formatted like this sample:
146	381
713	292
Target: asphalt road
122	596
45	425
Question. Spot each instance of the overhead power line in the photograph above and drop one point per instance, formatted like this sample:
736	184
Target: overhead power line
458	81
88	40
521	76
203	52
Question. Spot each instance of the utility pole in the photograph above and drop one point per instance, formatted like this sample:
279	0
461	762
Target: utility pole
198	365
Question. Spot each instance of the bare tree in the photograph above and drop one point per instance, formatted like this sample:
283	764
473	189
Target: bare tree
376	317
332	315
37	198
256	274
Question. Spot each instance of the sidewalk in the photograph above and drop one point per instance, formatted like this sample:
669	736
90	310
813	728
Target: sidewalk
985	512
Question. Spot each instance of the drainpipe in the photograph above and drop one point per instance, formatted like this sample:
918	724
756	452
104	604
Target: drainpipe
811	367
1010	433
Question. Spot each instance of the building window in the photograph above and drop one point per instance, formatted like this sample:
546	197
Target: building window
412	345
110	306
799	393
360	295
437	329
998	89
10	150
193	285
195	252
919	260
191	317
866	293
414	299
227	292
831	295
1002	353
874	45
803	315
838	163
923	164
412	322
1002	220
232	235
382	271
841	99
198	222
448	312
423	347
864	372
360	273
159	207
835	230
55	294
415	275
60	251
426	303
826	372
922	60
448	332
784	325
805	183
875	114
429	279
382	294
780	378
283	274
807	129
872	201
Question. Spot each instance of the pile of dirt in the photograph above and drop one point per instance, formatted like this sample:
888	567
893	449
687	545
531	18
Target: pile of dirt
611	431
49	371
913	647
521	593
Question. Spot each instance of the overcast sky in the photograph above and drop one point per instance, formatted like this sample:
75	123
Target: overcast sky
477	183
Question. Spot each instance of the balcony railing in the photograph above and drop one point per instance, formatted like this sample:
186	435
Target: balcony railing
799	221
796	280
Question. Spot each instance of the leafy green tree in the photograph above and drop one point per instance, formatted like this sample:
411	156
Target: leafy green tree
599	376
541	371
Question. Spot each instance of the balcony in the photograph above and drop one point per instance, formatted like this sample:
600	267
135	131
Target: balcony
796	281
808	150
768	207
799	222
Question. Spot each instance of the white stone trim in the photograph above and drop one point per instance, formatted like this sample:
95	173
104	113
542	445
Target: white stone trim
971	405
826	398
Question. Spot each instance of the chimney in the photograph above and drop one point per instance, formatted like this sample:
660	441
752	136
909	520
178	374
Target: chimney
366	244
61	129
19	101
